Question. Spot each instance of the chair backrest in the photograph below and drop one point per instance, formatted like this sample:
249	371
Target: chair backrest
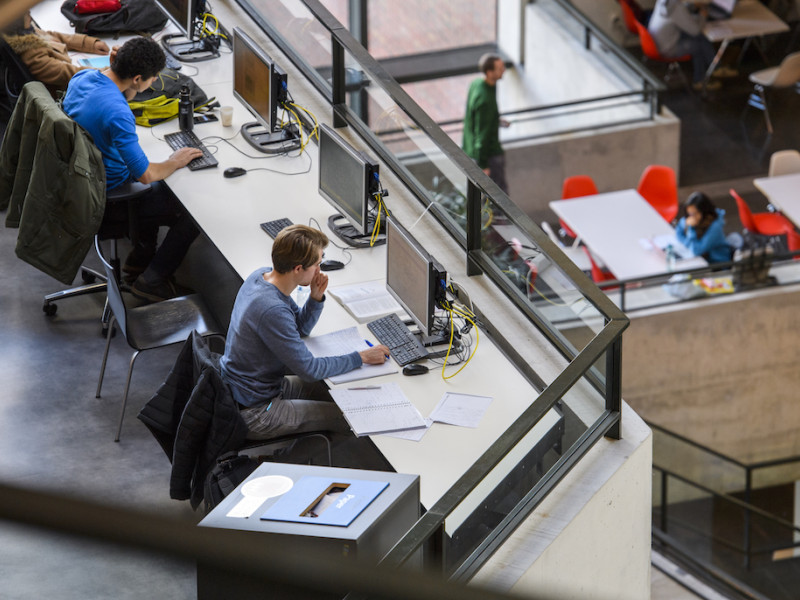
15	73
659	187
745	214
649	47
115	300
576	186
598	274
784	162
789	71
628	17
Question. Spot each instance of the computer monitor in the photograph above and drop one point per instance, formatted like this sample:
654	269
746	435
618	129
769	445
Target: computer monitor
413	276
261	86
184	14
348	179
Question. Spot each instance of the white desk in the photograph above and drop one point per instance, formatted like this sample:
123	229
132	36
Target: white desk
613	225
229	211
784	192
750	19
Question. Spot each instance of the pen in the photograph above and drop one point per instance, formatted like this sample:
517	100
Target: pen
368	387
371	346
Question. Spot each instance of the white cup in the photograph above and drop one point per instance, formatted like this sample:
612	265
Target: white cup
226	113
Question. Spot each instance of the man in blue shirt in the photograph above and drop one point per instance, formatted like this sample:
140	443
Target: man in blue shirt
268	367
98	102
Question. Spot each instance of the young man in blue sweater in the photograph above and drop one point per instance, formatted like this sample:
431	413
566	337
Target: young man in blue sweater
98	102
268	367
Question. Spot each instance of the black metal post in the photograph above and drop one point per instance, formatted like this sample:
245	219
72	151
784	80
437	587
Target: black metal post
663	520
338	82
748	483
474	198
614	385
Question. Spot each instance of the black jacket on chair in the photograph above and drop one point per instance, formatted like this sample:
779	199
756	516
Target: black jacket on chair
194	418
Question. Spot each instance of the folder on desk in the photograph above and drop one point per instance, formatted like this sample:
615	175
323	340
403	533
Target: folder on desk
325	501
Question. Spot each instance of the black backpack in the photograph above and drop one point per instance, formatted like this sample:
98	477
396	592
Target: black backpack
137	16
231	470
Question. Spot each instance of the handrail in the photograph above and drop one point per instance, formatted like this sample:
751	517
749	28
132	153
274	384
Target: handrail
429	530
686	557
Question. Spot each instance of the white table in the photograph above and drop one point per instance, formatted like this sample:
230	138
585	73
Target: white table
613	226
783	191
750	19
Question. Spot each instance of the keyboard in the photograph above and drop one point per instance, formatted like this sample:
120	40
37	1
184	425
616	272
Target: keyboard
273	228
393	333
183	139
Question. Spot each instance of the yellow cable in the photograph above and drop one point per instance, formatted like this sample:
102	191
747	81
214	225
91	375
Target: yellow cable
315	130
452	310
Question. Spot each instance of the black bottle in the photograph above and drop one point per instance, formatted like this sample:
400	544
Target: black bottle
185	110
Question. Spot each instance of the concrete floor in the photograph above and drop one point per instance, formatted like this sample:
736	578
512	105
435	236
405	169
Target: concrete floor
56	436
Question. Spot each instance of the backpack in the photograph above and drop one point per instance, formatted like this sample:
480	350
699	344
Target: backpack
160	101
231	470
137	16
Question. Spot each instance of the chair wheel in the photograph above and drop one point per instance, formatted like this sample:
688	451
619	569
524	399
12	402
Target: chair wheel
49	309
88	277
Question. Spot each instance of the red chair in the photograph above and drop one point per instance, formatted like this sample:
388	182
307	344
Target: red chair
598	273
659	187
576	186
651	51
762	223
629	17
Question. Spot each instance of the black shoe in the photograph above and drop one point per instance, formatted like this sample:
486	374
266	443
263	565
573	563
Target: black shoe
136	263
158	291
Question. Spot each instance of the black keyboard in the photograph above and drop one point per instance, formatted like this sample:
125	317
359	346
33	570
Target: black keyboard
183	139
273	228
393	333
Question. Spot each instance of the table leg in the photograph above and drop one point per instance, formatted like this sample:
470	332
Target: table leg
717	57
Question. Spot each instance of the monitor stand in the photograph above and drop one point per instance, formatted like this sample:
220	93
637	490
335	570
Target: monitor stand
350	236
186	50
271	142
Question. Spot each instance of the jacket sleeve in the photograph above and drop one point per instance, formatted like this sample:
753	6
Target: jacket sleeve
48	68
77	42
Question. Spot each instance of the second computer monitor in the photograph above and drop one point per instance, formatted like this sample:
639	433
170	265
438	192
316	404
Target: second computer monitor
180	12
255	80
413	276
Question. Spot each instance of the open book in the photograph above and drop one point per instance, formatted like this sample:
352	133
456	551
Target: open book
366	301
377	409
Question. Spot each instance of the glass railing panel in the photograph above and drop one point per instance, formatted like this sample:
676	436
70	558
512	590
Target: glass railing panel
696	464
776	475
689	517
553	296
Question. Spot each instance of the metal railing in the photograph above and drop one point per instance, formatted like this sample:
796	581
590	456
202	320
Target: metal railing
487	225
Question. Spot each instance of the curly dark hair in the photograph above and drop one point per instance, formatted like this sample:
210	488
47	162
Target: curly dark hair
139	56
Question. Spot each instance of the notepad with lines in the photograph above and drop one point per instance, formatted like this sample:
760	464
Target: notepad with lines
377	409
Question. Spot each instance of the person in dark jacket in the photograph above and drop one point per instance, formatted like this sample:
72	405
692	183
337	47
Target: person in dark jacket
702	229
482	119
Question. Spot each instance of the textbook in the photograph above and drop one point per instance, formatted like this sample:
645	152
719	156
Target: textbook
366	301
377	409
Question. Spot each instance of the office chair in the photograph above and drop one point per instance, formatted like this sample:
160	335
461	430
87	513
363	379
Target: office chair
599	274
629	17
765	223
15	74
785	75
651	51
784	162
150	326
576	186
659	187
112	228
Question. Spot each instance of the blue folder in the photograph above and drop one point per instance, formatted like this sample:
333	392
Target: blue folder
306	502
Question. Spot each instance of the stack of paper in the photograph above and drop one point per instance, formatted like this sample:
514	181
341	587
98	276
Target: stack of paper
366	301
342	342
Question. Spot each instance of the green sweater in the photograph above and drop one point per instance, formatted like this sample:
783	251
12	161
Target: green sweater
481	123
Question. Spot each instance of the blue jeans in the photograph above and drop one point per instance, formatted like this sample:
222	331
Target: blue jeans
702	52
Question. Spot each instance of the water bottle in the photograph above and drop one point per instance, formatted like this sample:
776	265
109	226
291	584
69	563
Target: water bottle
671	258
185	110
301	295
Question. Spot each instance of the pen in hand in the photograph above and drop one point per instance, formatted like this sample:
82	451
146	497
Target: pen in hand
368	343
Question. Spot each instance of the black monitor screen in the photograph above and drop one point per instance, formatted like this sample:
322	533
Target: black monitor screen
180	12
252	78
411	276
343	178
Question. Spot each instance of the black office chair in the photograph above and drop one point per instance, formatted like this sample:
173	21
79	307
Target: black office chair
14	75
119	221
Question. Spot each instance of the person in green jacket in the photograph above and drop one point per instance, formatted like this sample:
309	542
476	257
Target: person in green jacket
482	120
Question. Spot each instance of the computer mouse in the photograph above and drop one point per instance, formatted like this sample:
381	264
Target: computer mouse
234	172
330	265
415	369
